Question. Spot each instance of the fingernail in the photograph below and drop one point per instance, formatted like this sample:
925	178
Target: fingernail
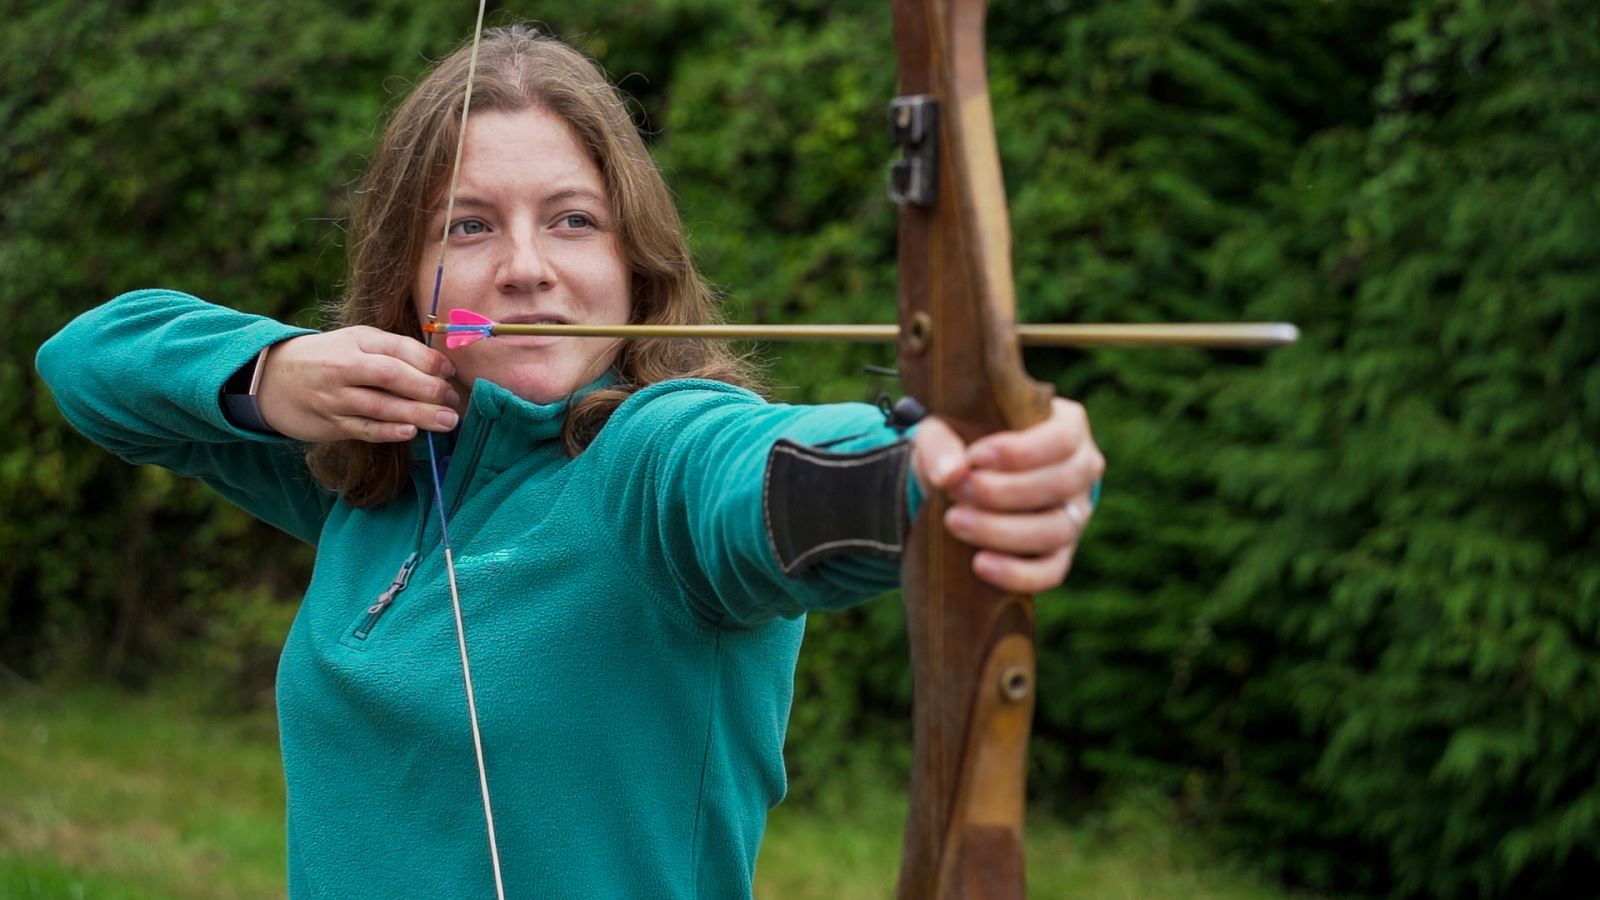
958	520
942	467
1076	513
451	398
984	455
449	369
447	418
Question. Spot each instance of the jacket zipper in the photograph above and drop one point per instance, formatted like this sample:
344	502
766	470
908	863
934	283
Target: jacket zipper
403	577
375	611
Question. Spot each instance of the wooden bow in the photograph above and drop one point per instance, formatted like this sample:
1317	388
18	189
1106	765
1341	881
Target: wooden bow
972	648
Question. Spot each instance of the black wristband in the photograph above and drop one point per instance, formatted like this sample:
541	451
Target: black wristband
239	403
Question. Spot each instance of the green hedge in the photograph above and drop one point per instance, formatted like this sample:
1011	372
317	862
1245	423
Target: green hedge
1340	601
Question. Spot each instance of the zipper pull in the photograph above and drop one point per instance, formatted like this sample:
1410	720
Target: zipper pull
401	579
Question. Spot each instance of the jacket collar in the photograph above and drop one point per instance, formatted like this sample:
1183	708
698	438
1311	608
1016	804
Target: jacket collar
492	406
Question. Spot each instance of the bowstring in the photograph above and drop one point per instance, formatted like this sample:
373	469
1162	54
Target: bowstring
438	487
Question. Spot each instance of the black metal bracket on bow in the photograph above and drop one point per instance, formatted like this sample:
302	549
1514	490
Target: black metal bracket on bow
914	128
898	414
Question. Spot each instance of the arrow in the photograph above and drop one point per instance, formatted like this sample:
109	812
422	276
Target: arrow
467	327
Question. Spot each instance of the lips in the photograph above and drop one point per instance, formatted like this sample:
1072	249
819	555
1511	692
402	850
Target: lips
532	341
536	319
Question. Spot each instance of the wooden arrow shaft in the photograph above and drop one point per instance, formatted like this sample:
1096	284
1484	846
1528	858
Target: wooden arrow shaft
1214	335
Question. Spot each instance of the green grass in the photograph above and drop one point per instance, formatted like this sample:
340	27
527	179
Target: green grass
110	796
1132	852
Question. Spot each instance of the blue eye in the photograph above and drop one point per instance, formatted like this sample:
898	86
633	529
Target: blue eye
577	220
469	227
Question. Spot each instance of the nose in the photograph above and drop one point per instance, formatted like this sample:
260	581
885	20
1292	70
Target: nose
525	267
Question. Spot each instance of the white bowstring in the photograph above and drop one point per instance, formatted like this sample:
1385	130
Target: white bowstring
438	492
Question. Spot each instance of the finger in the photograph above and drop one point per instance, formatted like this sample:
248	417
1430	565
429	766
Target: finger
373	431
380	406
413	353
999	490
937	455
1056	438
402	379
1023	575
1027	534
1080	509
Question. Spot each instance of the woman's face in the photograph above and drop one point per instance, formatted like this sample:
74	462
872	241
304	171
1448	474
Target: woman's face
532	239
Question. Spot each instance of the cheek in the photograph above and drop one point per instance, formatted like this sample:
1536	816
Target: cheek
618	290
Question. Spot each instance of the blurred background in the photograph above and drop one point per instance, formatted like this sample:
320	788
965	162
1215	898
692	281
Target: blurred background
1336	627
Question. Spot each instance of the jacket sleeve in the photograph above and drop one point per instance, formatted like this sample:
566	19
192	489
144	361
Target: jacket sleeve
684	465
142	376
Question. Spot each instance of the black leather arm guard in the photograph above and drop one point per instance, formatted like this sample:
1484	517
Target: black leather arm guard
818	504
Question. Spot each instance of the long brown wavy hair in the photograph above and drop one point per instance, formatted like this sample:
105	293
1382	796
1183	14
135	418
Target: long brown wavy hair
518	69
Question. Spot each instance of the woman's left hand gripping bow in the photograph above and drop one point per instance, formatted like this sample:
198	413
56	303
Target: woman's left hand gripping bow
1021	497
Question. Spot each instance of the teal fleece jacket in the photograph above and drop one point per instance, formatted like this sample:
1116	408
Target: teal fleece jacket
632	639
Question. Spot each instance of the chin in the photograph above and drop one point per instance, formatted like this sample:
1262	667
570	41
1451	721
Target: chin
542	381
542	392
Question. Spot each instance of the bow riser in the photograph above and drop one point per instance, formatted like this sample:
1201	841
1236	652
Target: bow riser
971	644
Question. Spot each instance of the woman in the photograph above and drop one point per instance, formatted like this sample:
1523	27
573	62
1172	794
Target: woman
633	626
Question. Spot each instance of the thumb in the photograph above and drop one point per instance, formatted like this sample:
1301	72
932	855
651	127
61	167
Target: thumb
938	455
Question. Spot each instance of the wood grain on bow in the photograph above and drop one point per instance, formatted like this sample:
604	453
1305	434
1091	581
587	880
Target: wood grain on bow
972	646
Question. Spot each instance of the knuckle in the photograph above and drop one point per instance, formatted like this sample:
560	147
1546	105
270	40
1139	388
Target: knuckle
1050	578
1075	415
1026	496
1013	452
1059	566
1065	485
982	490
386	374
1062	529
1041	496
981	530
1028	579
369	406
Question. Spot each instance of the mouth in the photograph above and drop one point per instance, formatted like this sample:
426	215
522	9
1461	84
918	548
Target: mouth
532	342
536	319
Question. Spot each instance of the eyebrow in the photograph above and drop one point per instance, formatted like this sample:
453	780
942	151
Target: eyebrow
575	194
473	202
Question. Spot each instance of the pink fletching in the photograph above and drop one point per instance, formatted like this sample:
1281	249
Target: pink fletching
468	317
462	338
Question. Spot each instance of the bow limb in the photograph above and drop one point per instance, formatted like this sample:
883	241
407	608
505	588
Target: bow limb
972	645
